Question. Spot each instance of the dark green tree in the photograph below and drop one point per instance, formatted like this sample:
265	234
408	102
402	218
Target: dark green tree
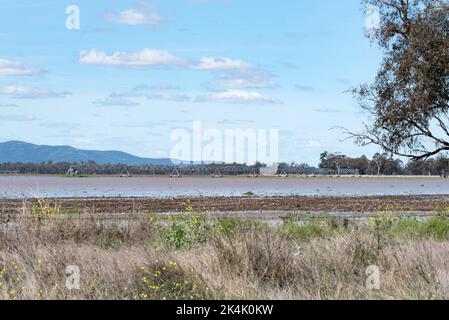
408	103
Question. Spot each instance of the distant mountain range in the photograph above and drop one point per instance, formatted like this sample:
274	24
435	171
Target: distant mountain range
18	151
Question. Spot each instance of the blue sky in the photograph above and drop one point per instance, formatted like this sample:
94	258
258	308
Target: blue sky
135	71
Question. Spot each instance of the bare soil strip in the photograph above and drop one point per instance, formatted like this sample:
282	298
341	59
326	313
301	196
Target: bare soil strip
424	203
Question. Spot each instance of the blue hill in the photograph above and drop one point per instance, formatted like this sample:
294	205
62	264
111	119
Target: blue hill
17	151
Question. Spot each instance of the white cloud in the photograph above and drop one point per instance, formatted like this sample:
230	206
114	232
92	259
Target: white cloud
21	92
144	14
146	58
238	97
144	90
147	92
149	58
240	83
235	74
15	68
168	96
220	63
243	79
116	101
17	90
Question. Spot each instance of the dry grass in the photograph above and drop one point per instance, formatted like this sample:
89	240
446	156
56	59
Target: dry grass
261	265
231	260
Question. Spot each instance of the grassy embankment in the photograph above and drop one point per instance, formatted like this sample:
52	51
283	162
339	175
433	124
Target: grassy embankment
191	258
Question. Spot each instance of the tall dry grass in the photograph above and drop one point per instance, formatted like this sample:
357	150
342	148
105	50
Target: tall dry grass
144	259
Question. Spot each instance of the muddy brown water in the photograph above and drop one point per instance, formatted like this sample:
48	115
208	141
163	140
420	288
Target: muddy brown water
59	187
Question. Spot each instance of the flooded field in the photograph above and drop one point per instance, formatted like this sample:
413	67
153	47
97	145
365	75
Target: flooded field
55	186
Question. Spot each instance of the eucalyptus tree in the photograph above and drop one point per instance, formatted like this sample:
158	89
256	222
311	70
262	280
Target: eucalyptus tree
408	103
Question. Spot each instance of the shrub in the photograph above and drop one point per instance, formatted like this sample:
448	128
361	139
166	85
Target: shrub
315	228
43	208
227	226
381	225
184	231
166	280
407	227
434	228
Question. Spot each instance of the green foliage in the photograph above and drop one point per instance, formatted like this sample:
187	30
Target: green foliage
227	226
185	231
437	228
434	228
382	222
315	228
407	227
43	208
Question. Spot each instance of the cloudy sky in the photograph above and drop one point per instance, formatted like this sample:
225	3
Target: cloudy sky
136	71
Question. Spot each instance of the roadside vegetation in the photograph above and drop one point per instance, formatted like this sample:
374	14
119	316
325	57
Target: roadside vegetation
192	257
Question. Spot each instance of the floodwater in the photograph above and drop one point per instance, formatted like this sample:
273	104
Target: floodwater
55	186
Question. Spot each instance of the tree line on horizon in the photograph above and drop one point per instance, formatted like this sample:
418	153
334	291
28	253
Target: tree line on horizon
379	164
385	164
